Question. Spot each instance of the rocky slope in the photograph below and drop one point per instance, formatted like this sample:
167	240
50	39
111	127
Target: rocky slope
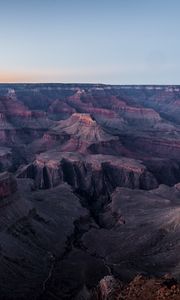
137	233
140	288
34	232
60	251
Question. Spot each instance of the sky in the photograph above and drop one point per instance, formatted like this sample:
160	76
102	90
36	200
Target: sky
95	41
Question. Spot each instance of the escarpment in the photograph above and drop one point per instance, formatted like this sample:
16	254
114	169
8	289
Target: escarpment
93	174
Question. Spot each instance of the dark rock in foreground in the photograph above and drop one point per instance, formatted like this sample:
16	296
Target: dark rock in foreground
140	288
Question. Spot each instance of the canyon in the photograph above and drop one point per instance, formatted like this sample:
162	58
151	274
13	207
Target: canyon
89	192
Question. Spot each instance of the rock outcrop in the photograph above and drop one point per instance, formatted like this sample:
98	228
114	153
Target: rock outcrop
94	175
140	288
8	185
82	131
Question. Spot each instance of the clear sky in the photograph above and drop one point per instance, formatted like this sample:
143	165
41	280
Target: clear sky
103	41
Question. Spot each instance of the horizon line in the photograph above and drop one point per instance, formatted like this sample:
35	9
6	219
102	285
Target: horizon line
94	83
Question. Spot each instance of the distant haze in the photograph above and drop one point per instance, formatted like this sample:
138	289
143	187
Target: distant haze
103	41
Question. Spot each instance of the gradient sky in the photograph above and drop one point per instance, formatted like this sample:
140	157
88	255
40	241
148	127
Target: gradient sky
103	41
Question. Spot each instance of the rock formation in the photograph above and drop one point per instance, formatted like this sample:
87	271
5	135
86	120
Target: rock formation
89	192
93	174
140	288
